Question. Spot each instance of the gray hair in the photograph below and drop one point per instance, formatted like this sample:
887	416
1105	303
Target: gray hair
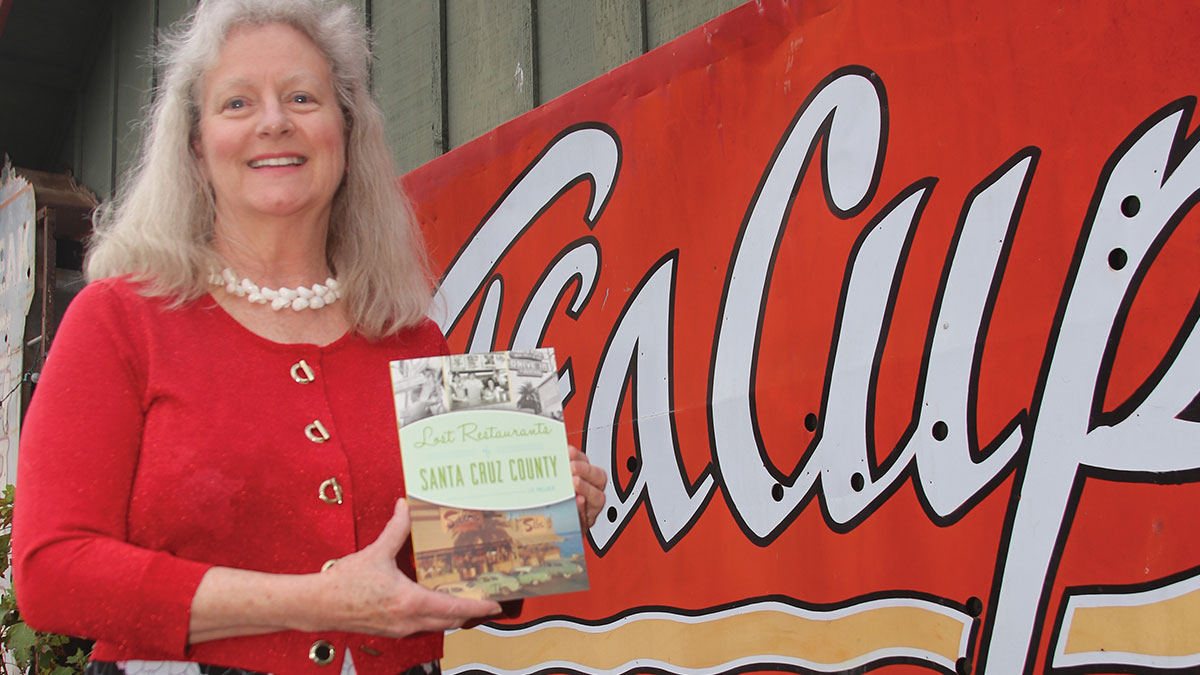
159	227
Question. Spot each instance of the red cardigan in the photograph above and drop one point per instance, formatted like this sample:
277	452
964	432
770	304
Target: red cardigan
165	441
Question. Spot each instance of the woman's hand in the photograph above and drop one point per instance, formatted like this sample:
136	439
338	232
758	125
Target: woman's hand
371	595
589	484
365	592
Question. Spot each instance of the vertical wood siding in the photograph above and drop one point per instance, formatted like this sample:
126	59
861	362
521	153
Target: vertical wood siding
445	71
133	35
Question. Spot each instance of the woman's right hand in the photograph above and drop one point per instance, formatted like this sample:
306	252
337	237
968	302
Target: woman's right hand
369	594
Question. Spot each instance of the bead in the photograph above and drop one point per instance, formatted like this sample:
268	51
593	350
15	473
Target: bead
300	298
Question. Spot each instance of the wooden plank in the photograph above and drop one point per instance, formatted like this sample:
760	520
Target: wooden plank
580	41
408	78
491	70
668	19
96	123
133	35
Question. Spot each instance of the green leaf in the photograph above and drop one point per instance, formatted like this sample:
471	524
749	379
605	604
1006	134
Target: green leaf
52	641
20	639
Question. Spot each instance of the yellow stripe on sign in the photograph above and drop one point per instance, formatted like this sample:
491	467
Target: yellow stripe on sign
1159	627
1165	628
770	632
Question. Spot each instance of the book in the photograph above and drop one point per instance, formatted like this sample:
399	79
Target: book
488	475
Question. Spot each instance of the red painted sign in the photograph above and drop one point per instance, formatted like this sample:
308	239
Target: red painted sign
882	319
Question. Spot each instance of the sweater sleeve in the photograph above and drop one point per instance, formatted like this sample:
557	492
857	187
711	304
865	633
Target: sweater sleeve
74	570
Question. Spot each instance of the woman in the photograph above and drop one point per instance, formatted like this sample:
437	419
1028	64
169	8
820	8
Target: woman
490	393
209	472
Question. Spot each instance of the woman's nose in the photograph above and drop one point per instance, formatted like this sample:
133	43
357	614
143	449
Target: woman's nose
274	120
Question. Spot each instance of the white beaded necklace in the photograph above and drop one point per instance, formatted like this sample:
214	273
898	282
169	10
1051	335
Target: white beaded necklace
301	297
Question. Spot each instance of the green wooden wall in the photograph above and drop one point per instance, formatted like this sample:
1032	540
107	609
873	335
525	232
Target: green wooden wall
445	71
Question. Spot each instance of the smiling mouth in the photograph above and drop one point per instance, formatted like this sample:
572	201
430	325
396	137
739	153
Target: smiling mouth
277	161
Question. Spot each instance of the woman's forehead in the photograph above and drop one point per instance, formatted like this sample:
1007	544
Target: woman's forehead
275	53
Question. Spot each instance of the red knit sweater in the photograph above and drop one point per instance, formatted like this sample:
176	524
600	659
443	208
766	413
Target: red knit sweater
164	441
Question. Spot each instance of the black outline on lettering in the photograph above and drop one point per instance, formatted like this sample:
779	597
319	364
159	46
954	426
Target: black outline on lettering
1185	105
575	288
629	384
1180	147
822	138
590	222
977	454
566	367
498	280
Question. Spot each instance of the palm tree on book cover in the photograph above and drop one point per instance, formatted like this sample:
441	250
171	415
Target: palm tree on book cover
529	399
490	531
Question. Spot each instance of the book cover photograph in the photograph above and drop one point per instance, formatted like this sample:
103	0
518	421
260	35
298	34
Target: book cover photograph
488	476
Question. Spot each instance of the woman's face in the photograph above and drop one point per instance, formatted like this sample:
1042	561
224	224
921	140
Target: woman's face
271	135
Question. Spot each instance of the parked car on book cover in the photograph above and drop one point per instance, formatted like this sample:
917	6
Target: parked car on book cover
464	589
561	568
496	583
528	575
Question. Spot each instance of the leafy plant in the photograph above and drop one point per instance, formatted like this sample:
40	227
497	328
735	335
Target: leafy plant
528	398
31	651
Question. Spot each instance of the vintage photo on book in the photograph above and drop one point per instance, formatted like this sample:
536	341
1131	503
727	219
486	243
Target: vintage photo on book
488	476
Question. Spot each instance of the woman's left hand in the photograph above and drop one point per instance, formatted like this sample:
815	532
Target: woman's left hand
589	484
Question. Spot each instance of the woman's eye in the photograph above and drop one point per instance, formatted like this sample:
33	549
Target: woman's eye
301	98
235	104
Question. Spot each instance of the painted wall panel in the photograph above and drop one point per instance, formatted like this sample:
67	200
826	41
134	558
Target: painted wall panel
133	31
491	74
668	19
407	78
444	72
96	122
579	41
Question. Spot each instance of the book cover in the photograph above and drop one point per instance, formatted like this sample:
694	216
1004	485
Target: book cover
488	475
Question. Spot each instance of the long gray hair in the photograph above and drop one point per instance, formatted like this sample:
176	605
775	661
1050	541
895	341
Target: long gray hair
159	226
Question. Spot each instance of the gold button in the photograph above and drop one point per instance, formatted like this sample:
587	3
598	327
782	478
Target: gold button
326	487
316	432
328	564
321	652
302	372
